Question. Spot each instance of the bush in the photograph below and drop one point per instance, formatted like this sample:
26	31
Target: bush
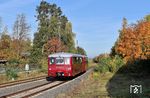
140	67
98	58
109	64
13	62
101	68
11	73
43	65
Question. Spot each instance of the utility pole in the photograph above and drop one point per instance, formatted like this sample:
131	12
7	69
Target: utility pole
59	35
76	43
77	46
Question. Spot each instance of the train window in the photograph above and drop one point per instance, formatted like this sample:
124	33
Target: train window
59	60
67	61
77	60
86	60
52	60
80	60
74	60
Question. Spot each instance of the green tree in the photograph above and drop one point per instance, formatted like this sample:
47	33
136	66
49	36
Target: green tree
147	18
5	44
5	39
48	20
51	23
69	36
81	51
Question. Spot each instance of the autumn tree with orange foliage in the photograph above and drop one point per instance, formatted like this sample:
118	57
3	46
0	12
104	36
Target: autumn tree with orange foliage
134	41
7	52
54	45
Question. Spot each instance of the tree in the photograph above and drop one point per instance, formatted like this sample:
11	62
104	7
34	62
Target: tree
5	41
21	28
5	31
147	18
120	40
54	45
54	32
81	51
143	29
69	36
134	41
51	23
20	33
48	23
5	45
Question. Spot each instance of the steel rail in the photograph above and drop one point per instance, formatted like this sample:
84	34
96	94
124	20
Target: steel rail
21	81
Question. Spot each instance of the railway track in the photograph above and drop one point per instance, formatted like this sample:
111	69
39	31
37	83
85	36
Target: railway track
35	90
31	89
21	81
18	86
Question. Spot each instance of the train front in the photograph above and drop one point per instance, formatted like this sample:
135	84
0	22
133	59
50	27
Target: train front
59	65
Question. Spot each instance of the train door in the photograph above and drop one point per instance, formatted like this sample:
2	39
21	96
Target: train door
86	63
51	66
83	64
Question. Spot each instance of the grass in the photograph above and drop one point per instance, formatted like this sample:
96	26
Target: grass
91	63
22	75
92	88
109	85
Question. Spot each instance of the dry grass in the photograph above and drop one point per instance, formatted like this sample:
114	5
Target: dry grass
108	85
94	87
91	63
22	75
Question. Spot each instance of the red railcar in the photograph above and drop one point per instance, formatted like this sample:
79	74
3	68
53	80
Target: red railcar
66	64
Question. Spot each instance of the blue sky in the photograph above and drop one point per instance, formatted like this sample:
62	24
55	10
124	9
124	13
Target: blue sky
95	22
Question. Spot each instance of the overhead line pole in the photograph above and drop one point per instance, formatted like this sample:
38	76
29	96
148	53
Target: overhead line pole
59	35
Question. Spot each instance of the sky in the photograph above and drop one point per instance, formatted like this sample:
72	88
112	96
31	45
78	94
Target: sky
95	22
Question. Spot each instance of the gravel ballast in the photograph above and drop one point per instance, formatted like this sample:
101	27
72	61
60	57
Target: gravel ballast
63	88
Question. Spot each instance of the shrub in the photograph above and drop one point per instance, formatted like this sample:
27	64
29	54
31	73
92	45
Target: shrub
11	73
13	62
102	69
98	58
109	64
140	67
43	65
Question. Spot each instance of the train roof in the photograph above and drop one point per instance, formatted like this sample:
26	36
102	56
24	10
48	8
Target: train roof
62	54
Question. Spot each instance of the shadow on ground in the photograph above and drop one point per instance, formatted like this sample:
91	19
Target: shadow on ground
119	85
62	78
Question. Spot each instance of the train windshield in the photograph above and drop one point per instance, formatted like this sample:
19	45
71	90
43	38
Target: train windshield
67	61
59	61
62	61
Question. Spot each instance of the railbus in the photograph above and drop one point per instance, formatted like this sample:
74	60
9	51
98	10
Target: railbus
66	64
